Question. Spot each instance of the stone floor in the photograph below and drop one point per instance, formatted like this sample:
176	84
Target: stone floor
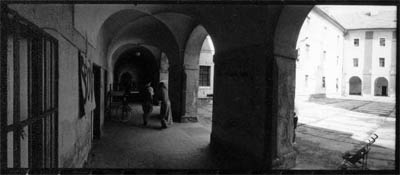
181	146
324	133
131	145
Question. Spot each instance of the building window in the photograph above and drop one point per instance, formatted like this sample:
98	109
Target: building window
31	60
323	82
306	80
382	42
204	79
356	42
355	62
381	62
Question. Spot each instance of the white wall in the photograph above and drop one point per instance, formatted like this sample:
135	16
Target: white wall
319	35
359	52
351	52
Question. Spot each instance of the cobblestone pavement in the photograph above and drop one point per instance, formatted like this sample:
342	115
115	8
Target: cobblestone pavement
329	128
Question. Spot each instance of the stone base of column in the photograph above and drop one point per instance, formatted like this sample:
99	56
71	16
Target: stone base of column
189	119
285	161
233	157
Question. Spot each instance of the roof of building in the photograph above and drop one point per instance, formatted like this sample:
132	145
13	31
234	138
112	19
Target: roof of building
362	17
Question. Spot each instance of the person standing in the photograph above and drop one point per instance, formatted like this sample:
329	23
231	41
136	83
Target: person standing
147	101
165	111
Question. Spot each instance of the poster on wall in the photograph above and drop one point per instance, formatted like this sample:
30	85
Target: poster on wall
86	86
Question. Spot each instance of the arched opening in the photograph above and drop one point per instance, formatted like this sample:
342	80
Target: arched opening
355	86
146	50
199	69
334	107
381	86
134	68
206	82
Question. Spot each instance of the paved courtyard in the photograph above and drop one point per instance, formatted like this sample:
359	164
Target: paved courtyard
326	130
329	127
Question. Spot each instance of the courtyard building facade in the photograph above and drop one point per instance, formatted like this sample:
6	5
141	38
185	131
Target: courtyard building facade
353	54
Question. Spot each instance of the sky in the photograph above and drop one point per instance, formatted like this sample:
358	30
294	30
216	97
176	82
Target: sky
353	17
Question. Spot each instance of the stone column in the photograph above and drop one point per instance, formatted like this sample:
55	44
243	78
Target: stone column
164	65
283	107
241	124
175	82
190	93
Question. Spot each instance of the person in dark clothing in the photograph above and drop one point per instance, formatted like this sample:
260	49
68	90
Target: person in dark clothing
147	100
165	111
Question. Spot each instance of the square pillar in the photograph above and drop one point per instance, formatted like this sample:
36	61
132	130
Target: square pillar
284	81
175	89
191	86
241	123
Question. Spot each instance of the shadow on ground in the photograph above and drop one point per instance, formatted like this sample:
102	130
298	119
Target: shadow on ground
131	145
322	149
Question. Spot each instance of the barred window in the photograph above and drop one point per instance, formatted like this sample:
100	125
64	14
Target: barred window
204	79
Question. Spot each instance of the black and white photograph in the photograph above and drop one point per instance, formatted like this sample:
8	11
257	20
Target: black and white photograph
203	87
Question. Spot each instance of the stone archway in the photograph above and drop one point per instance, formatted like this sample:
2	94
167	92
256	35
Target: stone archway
381	86
283	76
191	75
251	61
140	64
355	85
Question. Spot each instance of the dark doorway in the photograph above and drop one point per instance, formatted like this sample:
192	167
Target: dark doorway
96	117
381	85
355	86
384	91
125	82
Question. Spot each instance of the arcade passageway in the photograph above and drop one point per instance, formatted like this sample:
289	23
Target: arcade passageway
61	65
181	146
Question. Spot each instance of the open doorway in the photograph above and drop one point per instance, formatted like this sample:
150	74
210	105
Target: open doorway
355	86
381	87
335	87
97	92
